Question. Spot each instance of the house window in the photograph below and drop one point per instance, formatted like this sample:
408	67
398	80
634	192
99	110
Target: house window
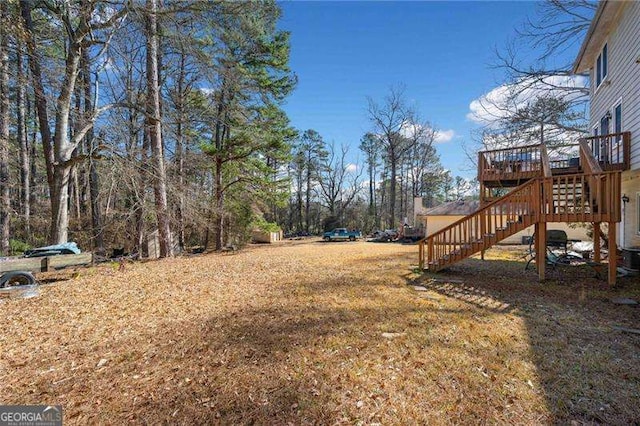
617	115
602	65
618	149
605	123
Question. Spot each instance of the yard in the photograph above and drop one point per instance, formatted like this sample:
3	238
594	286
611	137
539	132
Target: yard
311	332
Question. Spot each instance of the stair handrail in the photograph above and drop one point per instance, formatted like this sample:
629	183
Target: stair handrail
485	207
589	163
512	194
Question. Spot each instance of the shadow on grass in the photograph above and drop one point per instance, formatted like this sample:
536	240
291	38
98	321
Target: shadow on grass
588	371
293	364
318	355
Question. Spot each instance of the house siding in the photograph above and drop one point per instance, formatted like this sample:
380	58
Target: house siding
629	235
623	78
623	84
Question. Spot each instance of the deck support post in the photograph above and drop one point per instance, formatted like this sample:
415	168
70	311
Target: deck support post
613	254
541	248
596	242
483	231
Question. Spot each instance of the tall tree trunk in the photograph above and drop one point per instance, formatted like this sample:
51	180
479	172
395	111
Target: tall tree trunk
91	145
375	199
299	200
33	156
63	150
40	99
219	205
401	201
408	201
179	150
218	193
371	212
392	191
153	123
140	197
74	188
23	142
383	193
5	200
307	201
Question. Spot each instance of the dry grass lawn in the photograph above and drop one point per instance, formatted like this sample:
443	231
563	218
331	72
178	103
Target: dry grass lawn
329	333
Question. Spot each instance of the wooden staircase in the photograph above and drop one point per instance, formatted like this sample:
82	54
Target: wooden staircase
479	231
569	198
553	194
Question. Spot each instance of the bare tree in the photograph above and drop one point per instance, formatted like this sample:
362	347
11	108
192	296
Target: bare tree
388	120
422	157
339	181
370	146
310	150
542	87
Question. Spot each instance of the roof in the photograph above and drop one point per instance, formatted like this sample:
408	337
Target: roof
602	24
454	208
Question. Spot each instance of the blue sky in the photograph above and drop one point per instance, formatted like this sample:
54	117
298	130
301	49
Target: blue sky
441	52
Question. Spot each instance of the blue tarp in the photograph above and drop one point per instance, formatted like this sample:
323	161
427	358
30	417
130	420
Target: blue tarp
65	248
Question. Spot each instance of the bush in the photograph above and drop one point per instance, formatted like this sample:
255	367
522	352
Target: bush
261	224
18	247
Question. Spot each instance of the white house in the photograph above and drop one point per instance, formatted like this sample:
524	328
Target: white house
610	54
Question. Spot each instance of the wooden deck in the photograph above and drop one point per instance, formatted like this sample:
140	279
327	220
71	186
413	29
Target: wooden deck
510	167
564	183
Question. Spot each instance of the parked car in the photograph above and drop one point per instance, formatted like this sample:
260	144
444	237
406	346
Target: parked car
341	234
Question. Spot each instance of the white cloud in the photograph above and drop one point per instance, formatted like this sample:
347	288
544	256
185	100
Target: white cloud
103	15
409	129
443	136
351	167
498	103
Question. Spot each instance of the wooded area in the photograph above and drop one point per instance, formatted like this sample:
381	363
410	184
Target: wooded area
120	118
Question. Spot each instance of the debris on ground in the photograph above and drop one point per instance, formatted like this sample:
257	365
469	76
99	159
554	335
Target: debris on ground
624	301
20	292
626	329
392	335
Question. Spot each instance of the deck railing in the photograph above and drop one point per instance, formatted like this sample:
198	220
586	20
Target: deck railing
523	162
581	198
611	152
